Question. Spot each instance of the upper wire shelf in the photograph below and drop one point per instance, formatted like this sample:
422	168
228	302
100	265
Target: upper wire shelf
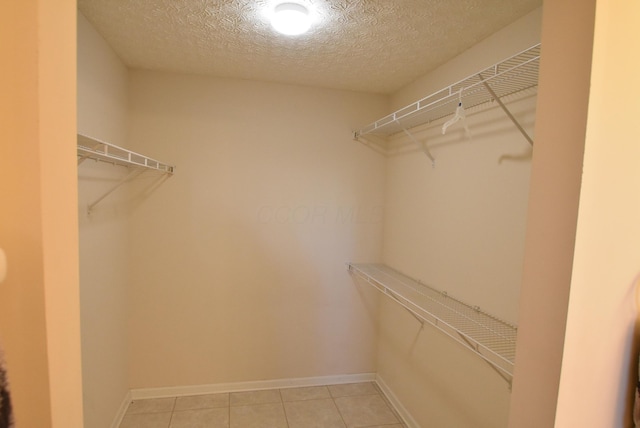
503	79
91	148
490	338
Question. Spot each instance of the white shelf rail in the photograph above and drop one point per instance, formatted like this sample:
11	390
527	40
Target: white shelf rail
91	148
514	75
94	149
488	337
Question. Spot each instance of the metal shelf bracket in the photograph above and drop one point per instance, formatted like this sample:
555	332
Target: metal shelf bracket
505	109
420	144
100	151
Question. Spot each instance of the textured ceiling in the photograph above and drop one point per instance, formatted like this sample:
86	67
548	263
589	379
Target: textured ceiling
364	45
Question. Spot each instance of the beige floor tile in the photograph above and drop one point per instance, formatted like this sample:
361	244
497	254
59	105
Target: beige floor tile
335	406
255	397
313	414
208	401
349	389
305	393
146	420
365	411
154	405
258	416
201	418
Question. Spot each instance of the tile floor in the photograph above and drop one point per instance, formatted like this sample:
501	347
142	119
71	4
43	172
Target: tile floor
333	406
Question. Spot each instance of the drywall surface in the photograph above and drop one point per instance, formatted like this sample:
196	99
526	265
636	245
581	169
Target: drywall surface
512	39
39	307
21	231
102	110
238	260
458	226
556	174
600	360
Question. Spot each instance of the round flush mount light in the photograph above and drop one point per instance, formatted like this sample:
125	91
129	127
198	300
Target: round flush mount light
291	19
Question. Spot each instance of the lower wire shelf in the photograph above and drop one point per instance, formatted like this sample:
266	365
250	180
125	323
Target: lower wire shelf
490	338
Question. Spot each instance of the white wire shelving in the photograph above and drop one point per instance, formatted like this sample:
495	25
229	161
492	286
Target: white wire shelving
514	75
91	148
488	337
136	163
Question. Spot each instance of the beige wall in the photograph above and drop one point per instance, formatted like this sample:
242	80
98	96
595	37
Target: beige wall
39	310
102	113
520	35
238	260
460	227
599	364
202	313
567	37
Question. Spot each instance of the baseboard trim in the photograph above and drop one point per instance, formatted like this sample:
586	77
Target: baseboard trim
122	410
396	403
181	391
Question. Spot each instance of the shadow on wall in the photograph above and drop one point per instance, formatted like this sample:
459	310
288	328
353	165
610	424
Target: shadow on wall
449	386
148	184
630	368
110	195
485	127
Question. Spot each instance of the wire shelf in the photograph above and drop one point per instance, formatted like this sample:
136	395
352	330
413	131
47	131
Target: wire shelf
492	339
91	148
511	76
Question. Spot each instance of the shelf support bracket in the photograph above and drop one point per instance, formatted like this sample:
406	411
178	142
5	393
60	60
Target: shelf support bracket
506	110
422	145
474	348
403	305
132	174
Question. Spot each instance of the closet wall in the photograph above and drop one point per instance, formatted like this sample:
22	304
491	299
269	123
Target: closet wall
237	262
102	113
233	269
39	312
602	334
460	227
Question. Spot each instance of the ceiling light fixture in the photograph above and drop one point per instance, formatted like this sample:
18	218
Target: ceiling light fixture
291	19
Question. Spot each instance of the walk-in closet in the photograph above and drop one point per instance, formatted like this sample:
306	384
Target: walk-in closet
271	232
398	214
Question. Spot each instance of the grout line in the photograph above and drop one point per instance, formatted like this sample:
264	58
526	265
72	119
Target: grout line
338	409
284	410
391	406
378	391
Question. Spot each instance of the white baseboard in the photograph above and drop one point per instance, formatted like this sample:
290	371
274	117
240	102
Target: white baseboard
397	404
122	410
181	391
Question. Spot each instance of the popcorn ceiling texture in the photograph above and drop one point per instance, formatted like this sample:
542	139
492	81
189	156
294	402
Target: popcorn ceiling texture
363	45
